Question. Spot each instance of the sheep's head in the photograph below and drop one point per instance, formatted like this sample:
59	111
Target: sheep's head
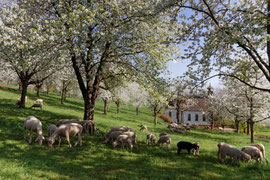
114	144
39	139
50	142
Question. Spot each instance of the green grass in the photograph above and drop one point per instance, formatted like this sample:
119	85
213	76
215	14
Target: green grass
97	160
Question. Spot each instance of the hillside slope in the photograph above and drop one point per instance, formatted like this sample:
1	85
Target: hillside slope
97	160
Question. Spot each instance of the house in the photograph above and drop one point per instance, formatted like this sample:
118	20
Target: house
195	113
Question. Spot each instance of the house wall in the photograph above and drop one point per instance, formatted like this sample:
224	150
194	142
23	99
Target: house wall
185	117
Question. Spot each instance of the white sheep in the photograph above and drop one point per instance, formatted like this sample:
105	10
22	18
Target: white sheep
132	135
51	129
165	139
38	101
112	136
88	125
33	124
123	139
143	128
150	138
67	130
261	148
228	150
121	128
163	134
254	152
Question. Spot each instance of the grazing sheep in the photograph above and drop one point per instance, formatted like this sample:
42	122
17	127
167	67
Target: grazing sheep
150	138
88	125
112	136
39	101
186	145
123	139
163	134
67	130
261	148
51	129
143	128
33	124
254	152
226	149
132	135
219	146
121	128
37	105
197	151
179	130
165	139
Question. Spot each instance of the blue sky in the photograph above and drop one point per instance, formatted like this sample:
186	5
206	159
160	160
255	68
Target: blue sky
179	68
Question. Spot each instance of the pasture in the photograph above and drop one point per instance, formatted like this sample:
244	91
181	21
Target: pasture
97	160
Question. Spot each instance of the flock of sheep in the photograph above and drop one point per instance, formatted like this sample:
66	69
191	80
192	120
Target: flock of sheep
64	128
124	136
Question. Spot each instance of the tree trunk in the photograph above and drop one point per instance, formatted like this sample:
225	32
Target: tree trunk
38	86
105	105
237	126
248	127
252	132
178	115
89	108
118	106
155	119
212	123
137	111
20	85
63	95
23	93
182	117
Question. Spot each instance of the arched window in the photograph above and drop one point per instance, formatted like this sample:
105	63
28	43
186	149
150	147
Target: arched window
189	117
196	117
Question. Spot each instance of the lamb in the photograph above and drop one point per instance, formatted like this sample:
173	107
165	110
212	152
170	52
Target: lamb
165	139
226	149
186	145
67	130
112	136
261	148
143	128
39	101
254	152
150	138
33	124
37	105
163	134
123	139
197	151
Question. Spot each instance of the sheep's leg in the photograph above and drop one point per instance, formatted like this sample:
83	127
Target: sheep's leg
59	142
79	140
24	133
30	139
67	136
179	150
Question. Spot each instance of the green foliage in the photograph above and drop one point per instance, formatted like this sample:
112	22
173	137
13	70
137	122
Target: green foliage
97	160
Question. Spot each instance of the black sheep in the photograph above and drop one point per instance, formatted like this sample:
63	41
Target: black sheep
186	145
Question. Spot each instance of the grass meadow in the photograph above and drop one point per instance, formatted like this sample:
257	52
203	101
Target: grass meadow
97	160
